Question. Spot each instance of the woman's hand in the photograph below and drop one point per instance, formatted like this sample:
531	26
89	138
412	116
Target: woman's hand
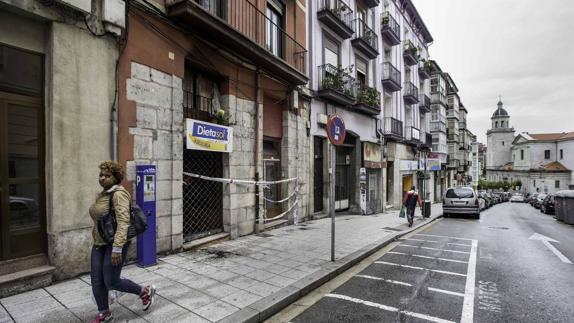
116	258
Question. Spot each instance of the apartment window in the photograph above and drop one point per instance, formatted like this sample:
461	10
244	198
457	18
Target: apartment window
547	154
361	67
521	154
496	124
331	52
556	184
387	55
273	27
561	154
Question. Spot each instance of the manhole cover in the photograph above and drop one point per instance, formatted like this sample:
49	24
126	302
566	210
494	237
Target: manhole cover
391	229
498	228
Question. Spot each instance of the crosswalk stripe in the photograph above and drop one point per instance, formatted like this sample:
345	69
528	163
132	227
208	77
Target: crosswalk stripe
387	280
429	248
428	257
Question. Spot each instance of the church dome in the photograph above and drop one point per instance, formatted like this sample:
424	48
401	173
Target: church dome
500	111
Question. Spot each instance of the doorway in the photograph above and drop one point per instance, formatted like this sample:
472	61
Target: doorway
343	181
22	205
407	184
272	172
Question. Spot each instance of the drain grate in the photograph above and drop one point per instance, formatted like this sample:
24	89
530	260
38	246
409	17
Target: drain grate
498	228
391	229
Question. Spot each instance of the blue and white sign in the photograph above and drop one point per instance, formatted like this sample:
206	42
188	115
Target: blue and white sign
202	135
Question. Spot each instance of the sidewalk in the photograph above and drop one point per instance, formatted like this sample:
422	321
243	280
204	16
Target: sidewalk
247	279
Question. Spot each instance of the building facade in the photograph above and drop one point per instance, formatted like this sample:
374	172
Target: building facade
539	161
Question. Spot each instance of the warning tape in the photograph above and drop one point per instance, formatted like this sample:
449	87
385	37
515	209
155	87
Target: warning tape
283	200
238	181
282	214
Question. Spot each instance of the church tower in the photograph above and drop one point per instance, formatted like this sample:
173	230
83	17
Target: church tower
499	139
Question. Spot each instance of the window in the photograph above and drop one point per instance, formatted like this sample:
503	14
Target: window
534	183
361	72
331	52
496	124
547	154
561	154
556	184
501	124
273	27
503	143
521	154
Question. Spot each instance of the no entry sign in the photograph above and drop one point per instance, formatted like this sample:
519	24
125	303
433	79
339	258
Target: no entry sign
336	129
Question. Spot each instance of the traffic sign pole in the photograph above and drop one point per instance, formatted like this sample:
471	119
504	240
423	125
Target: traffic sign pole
336	132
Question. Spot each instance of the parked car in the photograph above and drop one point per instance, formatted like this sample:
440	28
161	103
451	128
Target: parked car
487	199
547	206
517	198
481	203
532	198
539	199
461	200
497	197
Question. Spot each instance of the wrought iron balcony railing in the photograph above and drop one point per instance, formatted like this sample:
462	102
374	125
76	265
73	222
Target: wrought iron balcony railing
366	40
337	15
391	77
413	134
336	84
410	93
368	99
390	29
410	53
393	127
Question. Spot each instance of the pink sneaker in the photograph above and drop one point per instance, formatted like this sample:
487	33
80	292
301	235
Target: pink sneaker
103	317
147	297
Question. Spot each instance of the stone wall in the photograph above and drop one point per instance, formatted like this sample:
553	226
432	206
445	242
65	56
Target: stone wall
158	140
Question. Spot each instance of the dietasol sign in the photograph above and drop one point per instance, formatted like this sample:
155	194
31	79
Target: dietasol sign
202	135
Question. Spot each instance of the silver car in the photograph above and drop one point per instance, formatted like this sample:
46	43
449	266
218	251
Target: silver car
461	200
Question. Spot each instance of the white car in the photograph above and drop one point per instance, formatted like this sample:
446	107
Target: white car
518	198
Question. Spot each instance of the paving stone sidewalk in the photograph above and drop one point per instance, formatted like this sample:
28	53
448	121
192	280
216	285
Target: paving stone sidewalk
244	279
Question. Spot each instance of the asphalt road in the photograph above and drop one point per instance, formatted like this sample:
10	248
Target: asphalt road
462	270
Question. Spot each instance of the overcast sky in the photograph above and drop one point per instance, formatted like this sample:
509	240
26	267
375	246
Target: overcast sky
520	49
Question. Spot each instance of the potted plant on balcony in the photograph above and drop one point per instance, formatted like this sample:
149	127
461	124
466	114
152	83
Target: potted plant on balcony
336	79
385	18
368	96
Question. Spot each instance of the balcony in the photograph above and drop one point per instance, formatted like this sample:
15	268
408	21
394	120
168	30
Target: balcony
241	27
336	15
410	93
453	163
391	78
452	113
393	129
437	126
426	140
424	70
452	137
424	103
368	100
410	53
336	85
366	40
462	124
390	29
438	98
413	136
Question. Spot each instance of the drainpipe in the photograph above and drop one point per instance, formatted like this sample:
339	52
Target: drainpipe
256	148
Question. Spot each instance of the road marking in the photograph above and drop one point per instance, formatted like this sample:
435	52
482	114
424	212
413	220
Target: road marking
387	280
468	305
434	235
445	292
388	308
432	241
488	297
428	257
419	268
546	241
429	248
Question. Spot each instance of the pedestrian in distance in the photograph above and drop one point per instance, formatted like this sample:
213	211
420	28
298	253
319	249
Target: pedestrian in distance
107	259
410	202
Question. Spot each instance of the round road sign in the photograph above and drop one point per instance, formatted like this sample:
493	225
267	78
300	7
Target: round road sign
336	129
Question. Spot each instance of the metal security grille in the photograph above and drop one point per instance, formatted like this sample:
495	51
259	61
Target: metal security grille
373	191
202	199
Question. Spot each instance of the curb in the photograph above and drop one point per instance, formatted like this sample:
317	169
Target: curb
274	303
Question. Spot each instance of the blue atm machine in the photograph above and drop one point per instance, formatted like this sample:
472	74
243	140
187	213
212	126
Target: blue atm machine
145	198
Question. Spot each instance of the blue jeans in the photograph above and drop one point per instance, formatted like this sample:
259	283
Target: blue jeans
106	277
410	214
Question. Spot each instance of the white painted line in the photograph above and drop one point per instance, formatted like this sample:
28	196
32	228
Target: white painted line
434	235
419	268
427	257
429	248
468	305
387	280
445	292
388	308
546	241
432	241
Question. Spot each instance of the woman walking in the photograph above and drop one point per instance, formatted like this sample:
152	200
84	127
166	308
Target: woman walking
107	259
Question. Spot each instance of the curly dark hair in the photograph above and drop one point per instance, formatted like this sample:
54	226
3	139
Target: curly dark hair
116	169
